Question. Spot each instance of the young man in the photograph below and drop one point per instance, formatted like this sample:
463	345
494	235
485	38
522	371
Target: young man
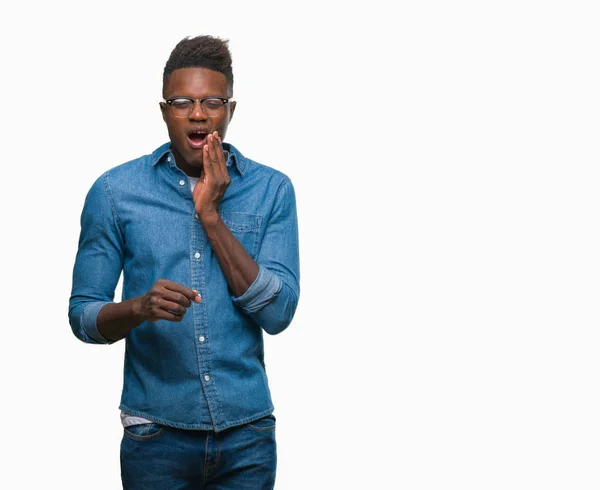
207	241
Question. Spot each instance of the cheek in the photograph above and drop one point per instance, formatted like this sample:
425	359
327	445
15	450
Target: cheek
174	129
222	124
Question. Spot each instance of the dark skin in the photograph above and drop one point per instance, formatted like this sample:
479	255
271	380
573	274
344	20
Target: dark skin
168	300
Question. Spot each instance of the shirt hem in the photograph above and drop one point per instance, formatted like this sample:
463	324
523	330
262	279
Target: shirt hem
178	425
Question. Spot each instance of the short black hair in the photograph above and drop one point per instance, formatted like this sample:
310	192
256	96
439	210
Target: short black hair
201	52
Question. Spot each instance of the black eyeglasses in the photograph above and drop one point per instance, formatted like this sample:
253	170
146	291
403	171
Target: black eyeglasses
183	106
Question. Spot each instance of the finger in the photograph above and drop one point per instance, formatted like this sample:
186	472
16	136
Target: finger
207	162
172	307
175	287
166	315
213	152
221	155
175	297
182	299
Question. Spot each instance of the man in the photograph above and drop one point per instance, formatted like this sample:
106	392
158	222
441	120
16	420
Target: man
207	242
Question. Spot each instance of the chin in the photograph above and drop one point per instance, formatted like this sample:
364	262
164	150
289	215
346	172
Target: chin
194	166
193	159
195	163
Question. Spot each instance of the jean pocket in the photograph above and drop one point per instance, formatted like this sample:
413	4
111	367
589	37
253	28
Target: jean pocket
144	432
265	424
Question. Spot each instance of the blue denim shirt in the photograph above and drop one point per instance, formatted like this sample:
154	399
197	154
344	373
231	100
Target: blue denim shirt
206	372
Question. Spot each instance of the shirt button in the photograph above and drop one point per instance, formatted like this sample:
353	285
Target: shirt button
197	216
201	339
197	255
168	159
182	182
206	377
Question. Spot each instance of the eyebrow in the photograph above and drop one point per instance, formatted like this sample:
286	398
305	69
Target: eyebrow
194	98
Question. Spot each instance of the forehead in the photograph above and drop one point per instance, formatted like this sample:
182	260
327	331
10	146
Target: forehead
196	83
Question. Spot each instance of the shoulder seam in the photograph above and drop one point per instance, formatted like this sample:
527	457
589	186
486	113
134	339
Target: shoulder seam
282	185
112	203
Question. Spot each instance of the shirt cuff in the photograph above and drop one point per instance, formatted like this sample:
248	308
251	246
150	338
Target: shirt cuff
261	292
88	321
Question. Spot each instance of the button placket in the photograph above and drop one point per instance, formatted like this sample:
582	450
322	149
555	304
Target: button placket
201	338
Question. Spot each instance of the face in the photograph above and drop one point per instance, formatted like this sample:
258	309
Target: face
188	134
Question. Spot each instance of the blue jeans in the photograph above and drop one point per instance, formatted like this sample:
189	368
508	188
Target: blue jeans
157	457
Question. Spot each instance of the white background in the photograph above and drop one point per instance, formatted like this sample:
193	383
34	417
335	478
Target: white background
445	159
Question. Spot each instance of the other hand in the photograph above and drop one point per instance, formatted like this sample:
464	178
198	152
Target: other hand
166	300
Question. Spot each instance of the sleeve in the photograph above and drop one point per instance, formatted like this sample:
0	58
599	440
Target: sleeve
98	264
272	298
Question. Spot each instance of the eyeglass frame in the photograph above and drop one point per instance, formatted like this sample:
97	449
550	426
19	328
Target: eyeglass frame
170	100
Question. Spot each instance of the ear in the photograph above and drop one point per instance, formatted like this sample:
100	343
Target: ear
232	108
163	109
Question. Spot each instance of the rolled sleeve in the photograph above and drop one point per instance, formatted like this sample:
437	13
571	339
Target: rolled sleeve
260	293
88	324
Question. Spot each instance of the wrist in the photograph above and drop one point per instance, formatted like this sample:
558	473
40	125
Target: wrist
209	218
136	309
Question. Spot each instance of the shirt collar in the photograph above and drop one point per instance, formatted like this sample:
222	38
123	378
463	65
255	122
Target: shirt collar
234	157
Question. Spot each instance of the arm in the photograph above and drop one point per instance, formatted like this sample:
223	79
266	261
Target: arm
166	300
272	299
239	269
93	316
267	291
98	263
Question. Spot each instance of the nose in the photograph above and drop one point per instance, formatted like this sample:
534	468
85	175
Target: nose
197	114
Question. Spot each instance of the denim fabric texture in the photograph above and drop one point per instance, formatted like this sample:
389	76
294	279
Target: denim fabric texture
158	457
206	372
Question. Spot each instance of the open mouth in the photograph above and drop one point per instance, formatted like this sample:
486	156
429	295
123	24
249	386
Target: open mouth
197	138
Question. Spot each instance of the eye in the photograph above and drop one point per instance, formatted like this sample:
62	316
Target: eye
181	103
213	103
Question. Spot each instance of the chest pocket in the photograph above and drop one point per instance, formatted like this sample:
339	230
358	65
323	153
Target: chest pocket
245	227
